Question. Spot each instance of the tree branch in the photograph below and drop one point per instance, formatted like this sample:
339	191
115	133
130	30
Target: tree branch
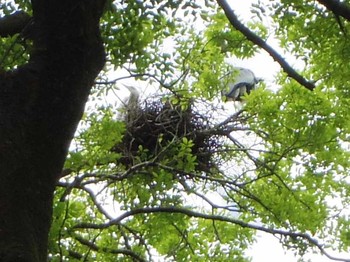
14	23
337	7
190	213
251	36
95	247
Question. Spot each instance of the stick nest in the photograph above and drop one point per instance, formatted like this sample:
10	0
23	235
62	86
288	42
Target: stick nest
157	127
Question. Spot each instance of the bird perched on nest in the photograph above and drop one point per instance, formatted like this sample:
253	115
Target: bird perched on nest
131	104
133	99
244	82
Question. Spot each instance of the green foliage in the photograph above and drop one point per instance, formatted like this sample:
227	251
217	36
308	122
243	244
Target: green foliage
129	29
185	160
229	40
14	50
93	145
317	37
306	164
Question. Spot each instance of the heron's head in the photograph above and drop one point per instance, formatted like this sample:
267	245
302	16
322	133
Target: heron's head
132	101
258	80
133	91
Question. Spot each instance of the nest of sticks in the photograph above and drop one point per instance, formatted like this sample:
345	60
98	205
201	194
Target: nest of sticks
155	127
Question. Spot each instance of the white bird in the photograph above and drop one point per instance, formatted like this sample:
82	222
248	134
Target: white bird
244	83
130	110
133	100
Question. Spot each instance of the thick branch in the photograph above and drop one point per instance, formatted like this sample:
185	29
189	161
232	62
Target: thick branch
13	24
251	36
337	7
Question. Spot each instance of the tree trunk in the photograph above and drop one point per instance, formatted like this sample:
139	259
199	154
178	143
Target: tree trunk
41	104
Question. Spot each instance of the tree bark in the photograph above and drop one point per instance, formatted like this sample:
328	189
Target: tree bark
339	8
13	24
41	104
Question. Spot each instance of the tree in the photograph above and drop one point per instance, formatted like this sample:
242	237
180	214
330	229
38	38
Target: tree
42	101
188	180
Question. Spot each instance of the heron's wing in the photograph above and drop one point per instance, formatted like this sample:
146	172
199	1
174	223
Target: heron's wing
243	75
237	90
250	88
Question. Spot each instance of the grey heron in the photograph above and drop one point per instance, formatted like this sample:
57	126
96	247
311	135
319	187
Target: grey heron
131	104
244	82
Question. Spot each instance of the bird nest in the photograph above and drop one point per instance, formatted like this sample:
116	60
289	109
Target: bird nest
155	129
